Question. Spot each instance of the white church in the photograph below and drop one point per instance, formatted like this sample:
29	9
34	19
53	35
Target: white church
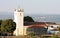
21	26
18	18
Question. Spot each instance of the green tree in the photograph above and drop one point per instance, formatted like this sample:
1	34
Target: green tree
8	26
0	24
59	29
28	19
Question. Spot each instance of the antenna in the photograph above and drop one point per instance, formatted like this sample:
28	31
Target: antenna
19	6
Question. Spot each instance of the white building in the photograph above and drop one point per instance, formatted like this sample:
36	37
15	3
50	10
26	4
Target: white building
18	18
53	28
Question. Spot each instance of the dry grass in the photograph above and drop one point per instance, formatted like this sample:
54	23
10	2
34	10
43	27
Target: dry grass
27	36
19	37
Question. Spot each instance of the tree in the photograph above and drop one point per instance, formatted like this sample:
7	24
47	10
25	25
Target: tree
8	26
0	24
59	29
28	19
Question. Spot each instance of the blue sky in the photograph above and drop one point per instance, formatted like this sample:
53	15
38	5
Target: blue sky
31	6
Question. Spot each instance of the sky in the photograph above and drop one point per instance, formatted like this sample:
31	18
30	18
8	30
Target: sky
31	6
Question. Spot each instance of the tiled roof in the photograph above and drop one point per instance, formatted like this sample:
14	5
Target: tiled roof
37	24
55	29
33	23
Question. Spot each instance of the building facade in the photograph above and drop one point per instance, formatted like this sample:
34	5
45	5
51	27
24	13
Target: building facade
18	19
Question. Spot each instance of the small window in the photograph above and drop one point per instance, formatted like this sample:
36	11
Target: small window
51	26
20	14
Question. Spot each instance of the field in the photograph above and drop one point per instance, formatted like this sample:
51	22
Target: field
18	37
27	36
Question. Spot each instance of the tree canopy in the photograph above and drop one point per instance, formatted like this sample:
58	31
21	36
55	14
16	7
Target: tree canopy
0	24
8	26
28	19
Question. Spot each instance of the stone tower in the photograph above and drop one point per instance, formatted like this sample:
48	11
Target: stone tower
18	18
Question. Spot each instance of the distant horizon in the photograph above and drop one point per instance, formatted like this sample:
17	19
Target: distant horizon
7	13
36	17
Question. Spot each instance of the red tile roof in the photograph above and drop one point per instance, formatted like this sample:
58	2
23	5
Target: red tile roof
37	26
55	29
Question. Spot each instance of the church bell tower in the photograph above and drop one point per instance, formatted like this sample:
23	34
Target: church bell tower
18	19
